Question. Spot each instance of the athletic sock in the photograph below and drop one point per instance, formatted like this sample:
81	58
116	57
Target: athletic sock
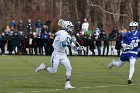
67	80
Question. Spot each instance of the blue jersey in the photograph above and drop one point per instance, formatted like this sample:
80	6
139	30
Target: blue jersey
131	39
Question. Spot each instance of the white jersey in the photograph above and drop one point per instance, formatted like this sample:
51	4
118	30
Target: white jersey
61	35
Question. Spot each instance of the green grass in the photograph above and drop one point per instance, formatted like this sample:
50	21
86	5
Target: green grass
89	75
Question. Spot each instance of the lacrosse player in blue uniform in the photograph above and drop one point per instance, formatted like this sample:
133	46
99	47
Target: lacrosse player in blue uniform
129	42
62	40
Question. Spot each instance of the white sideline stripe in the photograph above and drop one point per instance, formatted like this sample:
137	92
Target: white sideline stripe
36	91
79	88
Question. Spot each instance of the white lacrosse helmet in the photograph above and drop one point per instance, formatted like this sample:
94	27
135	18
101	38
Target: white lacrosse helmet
133	24
65	24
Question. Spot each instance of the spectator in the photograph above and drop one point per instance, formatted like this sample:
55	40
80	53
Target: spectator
7	30
20	26
79	36
106	42
118	43
118	40
29	26
50	42
80	39
45	28
83	35
34	43
22	48
10	41
16	43
113	34
85	25
45	38
2	43
77	26
88	42
13	24
39	44
38	26
30	43
98	40
48	24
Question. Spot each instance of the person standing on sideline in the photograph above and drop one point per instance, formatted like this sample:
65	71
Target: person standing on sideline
98	37
38	26
61	41
29	26
106	43
129	42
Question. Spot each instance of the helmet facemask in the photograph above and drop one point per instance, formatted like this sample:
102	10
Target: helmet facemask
133	29
70	29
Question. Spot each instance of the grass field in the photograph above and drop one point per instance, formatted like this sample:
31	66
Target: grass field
89	75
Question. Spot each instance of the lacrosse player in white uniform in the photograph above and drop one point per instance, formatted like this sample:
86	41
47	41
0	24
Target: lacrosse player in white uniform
59	56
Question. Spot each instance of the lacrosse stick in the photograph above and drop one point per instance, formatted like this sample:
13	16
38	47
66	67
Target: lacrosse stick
75	41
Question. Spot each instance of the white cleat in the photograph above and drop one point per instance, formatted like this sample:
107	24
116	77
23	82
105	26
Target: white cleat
40	68
110	65
69	87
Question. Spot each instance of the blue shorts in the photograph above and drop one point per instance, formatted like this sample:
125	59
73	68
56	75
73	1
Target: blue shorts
127	56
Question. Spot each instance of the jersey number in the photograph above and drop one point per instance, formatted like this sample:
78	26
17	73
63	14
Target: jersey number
135	43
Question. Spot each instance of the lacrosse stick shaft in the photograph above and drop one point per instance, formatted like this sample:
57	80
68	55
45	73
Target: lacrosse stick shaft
78	44
75	41
81	46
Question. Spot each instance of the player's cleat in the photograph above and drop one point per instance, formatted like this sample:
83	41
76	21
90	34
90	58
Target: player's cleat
110	65
41	67
68	86
129	81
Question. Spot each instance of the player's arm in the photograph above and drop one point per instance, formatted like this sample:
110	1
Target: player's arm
60	39
124	44
64	43
73	44
69	42
76	48
131	45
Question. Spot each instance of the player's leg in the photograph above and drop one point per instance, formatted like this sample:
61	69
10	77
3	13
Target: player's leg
123	58
54	64
115	63
65	61
40	67
131	69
